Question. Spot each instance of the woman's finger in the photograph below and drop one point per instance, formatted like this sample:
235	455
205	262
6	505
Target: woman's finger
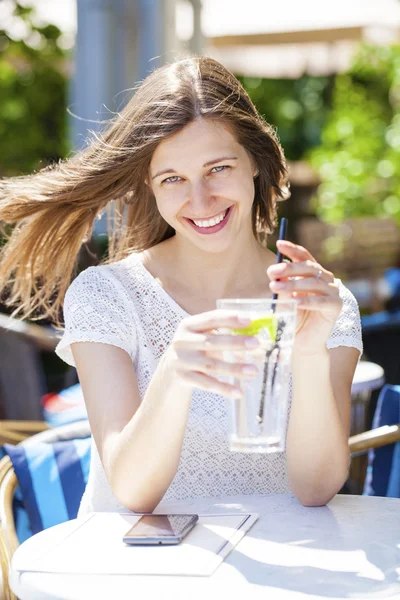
216	319
308	268
209	365
294	251
210	384
312	285
216	342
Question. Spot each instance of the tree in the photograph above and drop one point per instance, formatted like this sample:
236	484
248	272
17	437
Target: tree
298	109
359	157
33	93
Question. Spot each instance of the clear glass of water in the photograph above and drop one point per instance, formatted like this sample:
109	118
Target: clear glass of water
258	419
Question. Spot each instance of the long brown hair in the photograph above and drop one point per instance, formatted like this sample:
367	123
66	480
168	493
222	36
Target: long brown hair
50	214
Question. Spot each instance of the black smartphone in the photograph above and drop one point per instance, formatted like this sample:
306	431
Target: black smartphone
160	529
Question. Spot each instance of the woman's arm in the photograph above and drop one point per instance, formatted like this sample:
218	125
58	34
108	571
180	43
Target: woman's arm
317	441
140	443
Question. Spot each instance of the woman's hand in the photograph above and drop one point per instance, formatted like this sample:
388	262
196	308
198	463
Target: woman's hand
196	352
315	290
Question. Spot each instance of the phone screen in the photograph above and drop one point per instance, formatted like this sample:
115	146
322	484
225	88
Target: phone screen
161	526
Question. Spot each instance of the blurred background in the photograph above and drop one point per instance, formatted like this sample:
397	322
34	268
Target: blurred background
326	75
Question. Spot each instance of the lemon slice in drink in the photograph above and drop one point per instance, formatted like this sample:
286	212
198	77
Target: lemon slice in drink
270	323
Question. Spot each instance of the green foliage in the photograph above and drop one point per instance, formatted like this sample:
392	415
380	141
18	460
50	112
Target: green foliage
359	158
296	108
33	90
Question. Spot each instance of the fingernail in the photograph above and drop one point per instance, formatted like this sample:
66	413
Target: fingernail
278	269
278	285
251	343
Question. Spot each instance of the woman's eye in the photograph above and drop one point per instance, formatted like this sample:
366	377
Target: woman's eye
172	179
220	168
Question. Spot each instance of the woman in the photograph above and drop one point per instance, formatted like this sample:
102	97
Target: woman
200	173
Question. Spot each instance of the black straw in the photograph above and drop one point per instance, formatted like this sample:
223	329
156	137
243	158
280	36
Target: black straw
282	236
275	345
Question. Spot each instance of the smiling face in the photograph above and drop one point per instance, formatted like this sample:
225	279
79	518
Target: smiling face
202	179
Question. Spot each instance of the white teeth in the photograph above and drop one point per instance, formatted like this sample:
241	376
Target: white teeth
211	222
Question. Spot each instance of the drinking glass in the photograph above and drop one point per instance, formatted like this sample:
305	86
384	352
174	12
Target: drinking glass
258	418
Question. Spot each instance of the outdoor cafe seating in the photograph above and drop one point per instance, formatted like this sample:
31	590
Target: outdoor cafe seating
47	507
30	446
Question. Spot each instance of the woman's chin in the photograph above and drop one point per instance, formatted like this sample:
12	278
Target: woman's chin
212	246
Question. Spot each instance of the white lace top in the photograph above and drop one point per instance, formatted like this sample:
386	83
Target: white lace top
123	304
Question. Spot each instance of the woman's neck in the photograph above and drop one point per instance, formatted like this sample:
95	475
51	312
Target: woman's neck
237	272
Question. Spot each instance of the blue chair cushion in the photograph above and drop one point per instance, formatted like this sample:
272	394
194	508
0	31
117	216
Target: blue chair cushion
392	276
383	473
52	478
21	521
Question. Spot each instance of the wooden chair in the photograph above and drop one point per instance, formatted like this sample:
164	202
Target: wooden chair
8	536
385	430
375	438
8	484
15	432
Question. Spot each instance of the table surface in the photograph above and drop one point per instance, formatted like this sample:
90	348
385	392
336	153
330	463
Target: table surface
347	549
368	376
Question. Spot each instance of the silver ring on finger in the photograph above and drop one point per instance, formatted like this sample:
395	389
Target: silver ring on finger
319	275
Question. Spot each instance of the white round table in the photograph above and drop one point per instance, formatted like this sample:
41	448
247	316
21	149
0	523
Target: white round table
347	549
368	376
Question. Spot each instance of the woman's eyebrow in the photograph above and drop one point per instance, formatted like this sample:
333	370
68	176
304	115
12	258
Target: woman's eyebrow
217	160
207	164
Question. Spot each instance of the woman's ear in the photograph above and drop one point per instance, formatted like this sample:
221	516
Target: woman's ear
256	170
147	178
147	183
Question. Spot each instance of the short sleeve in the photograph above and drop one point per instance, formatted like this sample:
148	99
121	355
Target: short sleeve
347	329
96	309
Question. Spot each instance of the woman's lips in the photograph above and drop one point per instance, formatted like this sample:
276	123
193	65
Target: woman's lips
213	228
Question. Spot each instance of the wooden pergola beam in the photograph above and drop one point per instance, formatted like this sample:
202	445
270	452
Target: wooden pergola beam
289	37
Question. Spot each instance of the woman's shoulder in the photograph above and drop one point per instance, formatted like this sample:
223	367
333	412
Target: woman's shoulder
125	272
124	283
97	308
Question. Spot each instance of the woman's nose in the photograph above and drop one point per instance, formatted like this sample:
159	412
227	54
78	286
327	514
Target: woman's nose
201	199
